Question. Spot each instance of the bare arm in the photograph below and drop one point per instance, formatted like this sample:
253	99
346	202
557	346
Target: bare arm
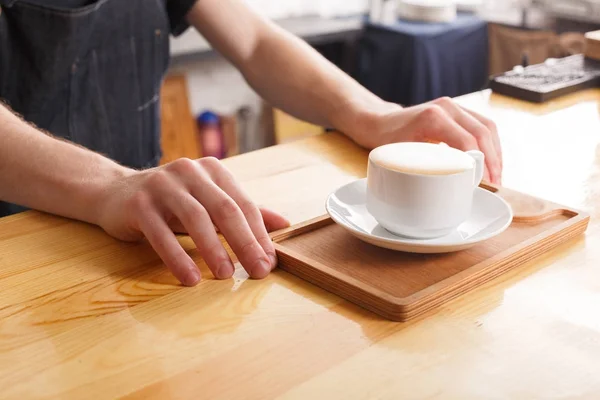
283	68
44	173
293	76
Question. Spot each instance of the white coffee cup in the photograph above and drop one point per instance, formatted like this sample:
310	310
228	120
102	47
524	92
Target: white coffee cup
422	190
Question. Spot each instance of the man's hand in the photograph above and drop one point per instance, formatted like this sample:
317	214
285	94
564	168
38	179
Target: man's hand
186	196
441	120
196	196
292	76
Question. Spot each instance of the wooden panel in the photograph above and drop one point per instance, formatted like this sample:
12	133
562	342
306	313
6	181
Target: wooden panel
83	315
289	129
592	45
179	133
401	286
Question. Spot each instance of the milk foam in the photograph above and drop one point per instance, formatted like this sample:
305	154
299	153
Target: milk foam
422	158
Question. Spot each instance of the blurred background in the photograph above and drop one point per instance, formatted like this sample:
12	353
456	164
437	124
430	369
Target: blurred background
405	51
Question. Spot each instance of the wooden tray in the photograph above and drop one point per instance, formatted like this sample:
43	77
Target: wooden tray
400	286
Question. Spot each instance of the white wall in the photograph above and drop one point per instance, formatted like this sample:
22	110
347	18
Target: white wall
278	9
216	85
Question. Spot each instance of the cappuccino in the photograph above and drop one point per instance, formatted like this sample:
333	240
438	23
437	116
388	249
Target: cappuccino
422	190
422	158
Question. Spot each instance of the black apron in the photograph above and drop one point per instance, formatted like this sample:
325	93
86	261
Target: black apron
89	74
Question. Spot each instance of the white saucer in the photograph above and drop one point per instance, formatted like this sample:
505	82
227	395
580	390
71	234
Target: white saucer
491	215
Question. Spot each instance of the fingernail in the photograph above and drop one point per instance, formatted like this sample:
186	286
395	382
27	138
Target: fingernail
261	269
193	277
225	270
273	259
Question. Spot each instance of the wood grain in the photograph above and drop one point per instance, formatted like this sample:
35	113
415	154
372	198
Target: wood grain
84	316
178	128
401	286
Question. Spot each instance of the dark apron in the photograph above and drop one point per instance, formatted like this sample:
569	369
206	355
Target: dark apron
89	74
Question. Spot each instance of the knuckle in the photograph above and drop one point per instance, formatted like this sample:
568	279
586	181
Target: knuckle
210	163
223	178
138	202
444	101
491	125
482	131
158	179
215	250
249	209
249	249
183	166
267	244
479	134
433	114
469	142
196	214
227	209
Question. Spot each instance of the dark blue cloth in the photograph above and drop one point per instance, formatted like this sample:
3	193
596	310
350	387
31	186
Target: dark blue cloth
412	62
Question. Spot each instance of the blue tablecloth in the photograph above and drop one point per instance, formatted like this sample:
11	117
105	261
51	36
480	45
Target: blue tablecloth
412	62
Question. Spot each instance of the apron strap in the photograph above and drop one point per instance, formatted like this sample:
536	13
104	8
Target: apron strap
7	3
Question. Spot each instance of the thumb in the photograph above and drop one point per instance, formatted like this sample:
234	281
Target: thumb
273	221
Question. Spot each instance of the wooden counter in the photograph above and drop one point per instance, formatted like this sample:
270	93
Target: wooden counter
85	316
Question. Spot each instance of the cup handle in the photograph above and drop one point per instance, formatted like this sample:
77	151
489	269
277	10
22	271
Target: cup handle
479	165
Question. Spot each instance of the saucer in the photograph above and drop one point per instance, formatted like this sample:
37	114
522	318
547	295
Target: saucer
490	216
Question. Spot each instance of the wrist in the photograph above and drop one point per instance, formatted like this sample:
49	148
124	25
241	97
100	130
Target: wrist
365	123
97	194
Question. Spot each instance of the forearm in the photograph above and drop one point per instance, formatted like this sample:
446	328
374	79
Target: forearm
285	70
291	75
44	173
294	77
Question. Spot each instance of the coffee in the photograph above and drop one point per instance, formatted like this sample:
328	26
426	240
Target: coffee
422	190
422	158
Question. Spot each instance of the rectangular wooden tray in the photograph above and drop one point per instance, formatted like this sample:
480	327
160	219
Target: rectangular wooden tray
401	286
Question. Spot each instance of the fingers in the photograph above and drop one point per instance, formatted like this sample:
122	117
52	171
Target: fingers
273	221
198	225
225	180
434	123
227	215
232	223
162	239
199	197
489	133
494	131
480	132
456	136
202	196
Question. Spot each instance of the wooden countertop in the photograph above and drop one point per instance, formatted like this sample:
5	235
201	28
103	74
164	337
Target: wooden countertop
85	316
